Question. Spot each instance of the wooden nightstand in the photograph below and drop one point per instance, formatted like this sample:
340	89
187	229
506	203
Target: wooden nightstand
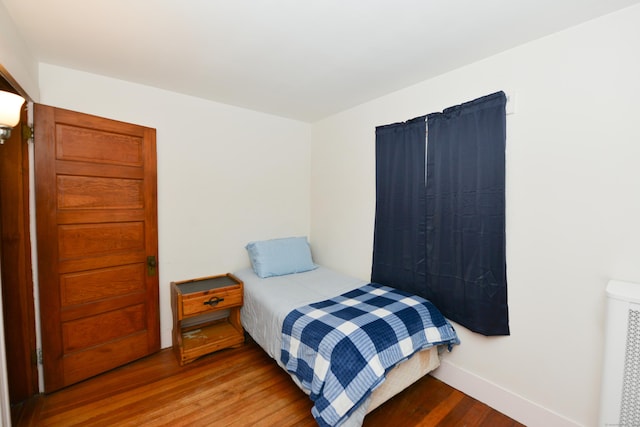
206	315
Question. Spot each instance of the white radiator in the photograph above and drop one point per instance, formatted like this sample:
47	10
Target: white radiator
620	399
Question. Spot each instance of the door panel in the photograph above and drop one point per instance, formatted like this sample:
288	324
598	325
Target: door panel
96	213
95	330
88	286
80	242
82	192
80	365
96	146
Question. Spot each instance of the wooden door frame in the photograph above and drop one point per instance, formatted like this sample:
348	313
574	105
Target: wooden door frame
17	279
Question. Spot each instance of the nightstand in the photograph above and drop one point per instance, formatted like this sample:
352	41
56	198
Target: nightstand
206	315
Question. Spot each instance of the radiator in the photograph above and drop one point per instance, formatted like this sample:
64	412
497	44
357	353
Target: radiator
620	398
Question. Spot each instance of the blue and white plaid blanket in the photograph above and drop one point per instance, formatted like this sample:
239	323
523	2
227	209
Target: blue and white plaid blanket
341	348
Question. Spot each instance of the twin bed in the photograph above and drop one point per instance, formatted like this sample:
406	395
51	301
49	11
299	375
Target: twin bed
369	343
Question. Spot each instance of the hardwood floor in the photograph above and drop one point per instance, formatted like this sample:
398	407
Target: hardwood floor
235	387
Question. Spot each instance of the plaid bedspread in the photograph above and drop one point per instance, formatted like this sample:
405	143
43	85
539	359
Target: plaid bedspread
341	348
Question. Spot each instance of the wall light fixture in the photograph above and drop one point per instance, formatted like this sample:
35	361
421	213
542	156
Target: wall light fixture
10	105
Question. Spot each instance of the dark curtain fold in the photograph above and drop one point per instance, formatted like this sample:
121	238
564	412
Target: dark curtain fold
465	214
399	233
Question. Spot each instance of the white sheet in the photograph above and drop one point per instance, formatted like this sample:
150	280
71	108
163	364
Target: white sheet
268	301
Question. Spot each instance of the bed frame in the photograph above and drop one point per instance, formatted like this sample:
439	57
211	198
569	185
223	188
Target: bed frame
268	301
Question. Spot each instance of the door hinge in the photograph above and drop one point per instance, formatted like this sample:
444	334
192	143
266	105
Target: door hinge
27	132
36	356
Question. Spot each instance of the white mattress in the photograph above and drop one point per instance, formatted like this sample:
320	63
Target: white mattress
268	301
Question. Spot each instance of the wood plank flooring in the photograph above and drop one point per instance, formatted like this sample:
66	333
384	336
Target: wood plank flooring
235	387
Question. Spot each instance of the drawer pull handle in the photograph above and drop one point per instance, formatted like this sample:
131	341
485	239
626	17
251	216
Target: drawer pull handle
213	301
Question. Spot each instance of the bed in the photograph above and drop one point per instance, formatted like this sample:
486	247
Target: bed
273	301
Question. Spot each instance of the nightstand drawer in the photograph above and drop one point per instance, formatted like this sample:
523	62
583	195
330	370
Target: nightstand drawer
216	299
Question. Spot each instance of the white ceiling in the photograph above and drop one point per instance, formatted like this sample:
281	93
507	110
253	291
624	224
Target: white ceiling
303	59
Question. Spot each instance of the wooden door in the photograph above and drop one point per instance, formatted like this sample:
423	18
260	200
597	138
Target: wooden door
96	216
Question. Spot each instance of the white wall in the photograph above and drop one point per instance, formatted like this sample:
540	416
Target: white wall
573	208
18	64
225	175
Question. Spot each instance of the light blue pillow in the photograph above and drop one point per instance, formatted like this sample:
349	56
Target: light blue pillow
277	257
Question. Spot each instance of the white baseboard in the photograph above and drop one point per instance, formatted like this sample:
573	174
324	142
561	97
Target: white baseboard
510	404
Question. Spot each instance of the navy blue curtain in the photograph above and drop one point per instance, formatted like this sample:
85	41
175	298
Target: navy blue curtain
398	243
445	239
465	233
